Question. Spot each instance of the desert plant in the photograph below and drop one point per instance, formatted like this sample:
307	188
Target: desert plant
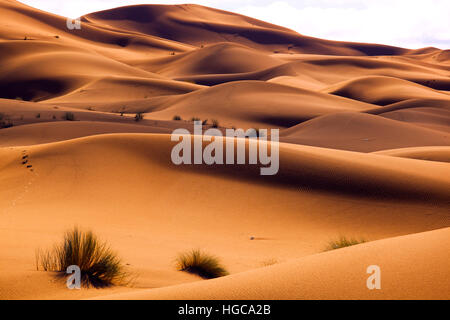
269	262
215	123
139	116
69	116
177	118
4	125
195	119
99	265
38	115
343	242
202	264
205	122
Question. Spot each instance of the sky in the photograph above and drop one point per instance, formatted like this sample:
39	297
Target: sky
406	23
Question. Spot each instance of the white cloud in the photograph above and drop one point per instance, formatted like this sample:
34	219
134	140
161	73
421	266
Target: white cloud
408	23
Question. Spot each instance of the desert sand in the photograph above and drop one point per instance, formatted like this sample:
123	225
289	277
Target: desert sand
364	153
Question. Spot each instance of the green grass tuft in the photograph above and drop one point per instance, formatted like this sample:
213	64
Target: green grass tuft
99	265
202	264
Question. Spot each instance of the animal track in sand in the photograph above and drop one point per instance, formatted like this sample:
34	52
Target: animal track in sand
25	161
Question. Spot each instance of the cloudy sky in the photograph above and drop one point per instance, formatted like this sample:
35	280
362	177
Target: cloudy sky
407	23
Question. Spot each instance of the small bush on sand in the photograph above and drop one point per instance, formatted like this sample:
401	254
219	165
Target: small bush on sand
205	122
69	116
343	242
202	264
215	123
269	262
139	116
177	118
195	119
100	266
5	125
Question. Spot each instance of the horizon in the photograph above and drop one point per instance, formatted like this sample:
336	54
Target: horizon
409	24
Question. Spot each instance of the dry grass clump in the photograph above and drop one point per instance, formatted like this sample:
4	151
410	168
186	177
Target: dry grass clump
99	265
343	242
69	116
202	264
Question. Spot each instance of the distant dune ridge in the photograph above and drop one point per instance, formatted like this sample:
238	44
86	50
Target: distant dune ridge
364	153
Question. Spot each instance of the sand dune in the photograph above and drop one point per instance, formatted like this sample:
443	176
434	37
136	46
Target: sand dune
255	103
441	154
64	176
363	132
383	90
310	277
85	123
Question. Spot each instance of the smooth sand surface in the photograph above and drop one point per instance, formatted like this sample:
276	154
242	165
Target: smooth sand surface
364	153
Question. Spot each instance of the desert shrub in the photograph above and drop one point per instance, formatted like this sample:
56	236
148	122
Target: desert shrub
69	116
38	116
215	123
343	242
99	265
202	264
139	116
205	122
269	262
177	118
195	119
4	124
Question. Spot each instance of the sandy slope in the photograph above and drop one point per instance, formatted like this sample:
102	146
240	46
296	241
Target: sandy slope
422	153
386	108
412	267
149	228
362	132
